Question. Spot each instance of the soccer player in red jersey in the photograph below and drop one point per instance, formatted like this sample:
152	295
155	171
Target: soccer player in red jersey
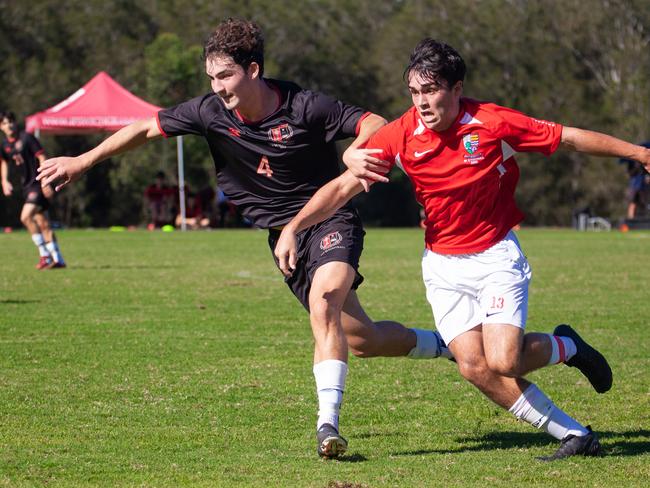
26	153
459	155
273	146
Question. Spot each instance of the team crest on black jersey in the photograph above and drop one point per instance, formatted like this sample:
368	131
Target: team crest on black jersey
281	133
330	240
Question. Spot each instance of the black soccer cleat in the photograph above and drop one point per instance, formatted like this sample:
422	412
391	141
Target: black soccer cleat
573	445
330	443
588	360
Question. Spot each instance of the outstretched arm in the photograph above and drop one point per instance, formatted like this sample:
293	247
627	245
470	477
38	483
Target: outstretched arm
322	205
64	170
598	144
361	162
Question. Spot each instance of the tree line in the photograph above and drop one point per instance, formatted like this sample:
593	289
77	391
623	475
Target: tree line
584	63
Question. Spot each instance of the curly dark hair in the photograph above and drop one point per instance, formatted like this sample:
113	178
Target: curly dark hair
10	116
436	62
242	40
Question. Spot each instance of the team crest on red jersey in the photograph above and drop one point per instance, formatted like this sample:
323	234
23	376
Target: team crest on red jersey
330	240
281	133
470	143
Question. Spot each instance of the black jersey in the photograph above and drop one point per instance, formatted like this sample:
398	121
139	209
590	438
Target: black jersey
272	167
24	151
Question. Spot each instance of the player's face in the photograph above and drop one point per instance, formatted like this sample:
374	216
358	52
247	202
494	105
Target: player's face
229	80
8	127
438	105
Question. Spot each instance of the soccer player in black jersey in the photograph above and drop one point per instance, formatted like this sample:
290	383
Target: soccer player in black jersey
273	146
24	150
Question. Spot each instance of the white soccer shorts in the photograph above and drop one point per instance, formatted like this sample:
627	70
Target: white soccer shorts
489	287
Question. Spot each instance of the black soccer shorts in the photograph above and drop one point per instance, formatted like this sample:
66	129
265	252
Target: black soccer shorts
34	194
339	238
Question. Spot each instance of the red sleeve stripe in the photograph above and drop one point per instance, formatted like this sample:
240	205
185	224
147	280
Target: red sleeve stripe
38	153
162	132
562	352
358	127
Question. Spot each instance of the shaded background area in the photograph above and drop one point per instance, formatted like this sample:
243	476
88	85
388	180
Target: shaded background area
583	63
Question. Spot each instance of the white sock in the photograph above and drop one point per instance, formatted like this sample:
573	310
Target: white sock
429	345
563	349
40	243
538	410
53	249
330	384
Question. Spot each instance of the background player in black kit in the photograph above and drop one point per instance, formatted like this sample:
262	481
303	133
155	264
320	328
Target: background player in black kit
273	146
24	150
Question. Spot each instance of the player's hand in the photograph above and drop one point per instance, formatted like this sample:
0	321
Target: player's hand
645	159
285	251
7	188
58	172
366	167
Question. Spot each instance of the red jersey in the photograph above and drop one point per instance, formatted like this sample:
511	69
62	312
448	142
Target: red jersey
465	176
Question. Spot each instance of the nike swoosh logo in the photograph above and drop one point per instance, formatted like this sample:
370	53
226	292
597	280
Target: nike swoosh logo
420	154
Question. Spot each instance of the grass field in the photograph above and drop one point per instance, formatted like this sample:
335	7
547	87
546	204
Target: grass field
181	359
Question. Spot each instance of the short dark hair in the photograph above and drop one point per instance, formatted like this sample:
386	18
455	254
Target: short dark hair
242	40
5	114
436	61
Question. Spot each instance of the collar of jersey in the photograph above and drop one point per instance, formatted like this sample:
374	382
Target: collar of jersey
275	88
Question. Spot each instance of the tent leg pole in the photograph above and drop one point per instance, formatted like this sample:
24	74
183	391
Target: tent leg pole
181	180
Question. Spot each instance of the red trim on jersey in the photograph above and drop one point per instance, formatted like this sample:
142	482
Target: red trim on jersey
255	122
243	119
357	129
162	132
38	153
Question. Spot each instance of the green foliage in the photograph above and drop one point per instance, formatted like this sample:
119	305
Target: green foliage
182	359
584	63
174	71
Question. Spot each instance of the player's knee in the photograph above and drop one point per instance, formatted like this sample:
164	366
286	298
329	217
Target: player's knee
473	371
505	365
331	298
325	309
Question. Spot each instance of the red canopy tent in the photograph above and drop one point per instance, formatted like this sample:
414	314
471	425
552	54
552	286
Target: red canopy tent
102	104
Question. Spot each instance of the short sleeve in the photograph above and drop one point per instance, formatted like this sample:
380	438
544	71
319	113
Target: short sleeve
337	119
527	134
182	119
386	139
33	144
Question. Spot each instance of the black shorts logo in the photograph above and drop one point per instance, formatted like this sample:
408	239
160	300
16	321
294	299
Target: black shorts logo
330	240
